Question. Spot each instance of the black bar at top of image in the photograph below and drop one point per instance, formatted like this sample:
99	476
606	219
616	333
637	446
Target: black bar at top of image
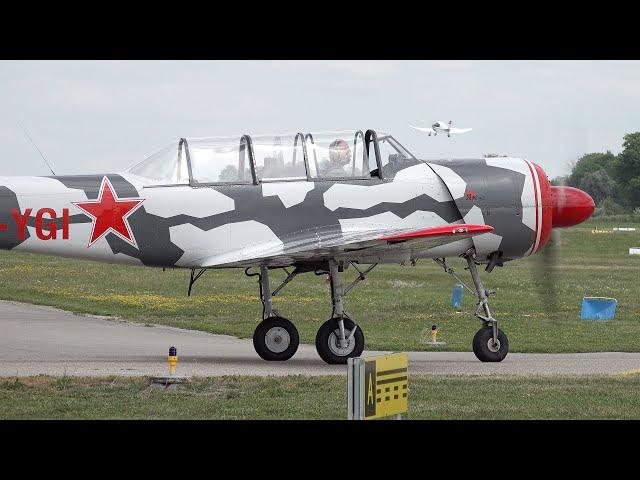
488	32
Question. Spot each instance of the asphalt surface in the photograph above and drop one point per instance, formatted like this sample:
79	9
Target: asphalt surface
43	340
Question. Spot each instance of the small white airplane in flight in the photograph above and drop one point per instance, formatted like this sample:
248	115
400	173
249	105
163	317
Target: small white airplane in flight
442	127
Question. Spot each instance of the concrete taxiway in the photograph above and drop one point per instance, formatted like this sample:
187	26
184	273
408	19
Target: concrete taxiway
43	340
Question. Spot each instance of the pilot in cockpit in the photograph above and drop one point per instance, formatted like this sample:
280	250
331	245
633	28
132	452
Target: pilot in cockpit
339	157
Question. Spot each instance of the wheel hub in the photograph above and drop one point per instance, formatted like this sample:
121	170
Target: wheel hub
277	339
338	347
493	346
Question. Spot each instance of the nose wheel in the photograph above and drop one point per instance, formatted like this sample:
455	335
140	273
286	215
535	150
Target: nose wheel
488	349
490	344
276	339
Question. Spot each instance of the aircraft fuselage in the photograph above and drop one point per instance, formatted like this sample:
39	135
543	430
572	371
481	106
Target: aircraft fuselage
122	218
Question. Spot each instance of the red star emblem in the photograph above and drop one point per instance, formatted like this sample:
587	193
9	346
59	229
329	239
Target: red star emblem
109	214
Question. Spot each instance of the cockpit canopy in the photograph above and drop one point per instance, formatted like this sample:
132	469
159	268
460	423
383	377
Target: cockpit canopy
337	155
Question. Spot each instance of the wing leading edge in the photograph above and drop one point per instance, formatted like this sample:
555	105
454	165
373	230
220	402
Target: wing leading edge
345	245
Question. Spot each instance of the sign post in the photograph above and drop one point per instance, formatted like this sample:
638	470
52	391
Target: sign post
377	386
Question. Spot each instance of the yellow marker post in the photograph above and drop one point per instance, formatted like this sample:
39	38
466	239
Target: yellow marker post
173	360
429	336
378	386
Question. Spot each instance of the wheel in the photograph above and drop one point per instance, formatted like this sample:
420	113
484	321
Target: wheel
276	338
484	348
327	341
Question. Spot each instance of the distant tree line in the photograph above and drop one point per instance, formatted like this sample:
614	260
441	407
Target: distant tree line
613	181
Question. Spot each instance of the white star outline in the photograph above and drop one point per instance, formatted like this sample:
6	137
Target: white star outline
94	219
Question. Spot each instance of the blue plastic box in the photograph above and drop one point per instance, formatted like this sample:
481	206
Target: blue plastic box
458	290
598	308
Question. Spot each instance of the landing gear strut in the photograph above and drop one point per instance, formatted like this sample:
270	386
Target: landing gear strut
339	338
275	338
490	344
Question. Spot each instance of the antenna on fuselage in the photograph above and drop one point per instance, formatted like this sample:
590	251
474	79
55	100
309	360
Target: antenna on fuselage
36	147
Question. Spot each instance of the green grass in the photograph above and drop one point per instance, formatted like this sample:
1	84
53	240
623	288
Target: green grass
393	306
298	397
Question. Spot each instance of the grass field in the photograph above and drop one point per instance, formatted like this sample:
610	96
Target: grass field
393	306
297	397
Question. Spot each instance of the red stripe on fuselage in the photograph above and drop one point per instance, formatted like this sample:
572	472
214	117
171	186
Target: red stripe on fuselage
547	209
535	197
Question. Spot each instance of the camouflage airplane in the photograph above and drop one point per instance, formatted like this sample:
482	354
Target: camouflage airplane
302	203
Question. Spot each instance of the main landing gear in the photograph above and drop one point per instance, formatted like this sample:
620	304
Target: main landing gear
337	340
490	344
275	338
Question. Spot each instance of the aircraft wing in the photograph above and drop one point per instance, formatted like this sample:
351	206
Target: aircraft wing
347	245
460	130
423	129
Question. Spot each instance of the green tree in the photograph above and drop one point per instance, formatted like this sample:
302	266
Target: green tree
591	162
627	170
610	207
599	185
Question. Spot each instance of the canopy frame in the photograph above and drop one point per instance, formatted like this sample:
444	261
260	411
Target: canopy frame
246	154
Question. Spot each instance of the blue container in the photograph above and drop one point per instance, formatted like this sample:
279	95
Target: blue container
457	296
598	308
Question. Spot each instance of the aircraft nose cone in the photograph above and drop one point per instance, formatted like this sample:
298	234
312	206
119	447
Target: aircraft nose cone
571	206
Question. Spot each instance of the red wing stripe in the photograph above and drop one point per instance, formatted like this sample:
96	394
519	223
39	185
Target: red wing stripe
446	230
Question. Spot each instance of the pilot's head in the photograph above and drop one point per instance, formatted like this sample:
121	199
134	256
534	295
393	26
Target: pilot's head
339	152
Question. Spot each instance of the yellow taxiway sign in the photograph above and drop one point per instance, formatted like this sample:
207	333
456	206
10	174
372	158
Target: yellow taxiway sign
378	386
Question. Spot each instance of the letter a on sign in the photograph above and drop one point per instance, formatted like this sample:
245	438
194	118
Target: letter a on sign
370	387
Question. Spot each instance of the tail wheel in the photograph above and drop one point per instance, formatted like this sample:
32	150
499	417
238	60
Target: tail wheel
276	339
488	350
328	341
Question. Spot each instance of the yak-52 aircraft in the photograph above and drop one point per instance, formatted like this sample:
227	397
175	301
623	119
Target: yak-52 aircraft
315	203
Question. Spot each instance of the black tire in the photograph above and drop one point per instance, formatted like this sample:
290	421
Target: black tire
326	342
482	348
267	341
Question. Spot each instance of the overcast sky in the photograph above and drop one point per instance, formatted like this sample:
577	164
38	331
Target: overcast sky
103	116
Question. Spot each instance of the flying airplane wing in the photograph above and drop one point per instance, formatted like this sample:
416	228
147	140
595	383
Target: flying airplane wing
423	129
460	130
346	245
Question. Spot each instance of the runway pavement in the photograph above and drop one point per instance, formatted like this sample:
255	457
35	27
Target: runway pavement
43	340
